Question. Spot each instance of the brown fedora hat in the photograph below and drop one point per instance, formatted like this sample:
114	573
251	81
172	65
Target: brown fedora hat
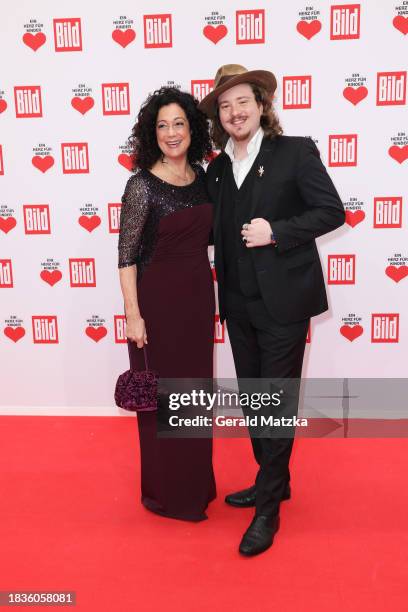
230	75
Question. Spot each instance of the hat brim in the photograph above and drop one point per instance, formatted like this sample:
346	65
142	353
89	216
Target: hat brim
262	78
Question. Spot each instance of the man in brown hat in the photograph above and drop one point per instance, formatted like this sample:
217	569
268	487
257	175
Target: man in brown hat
272	197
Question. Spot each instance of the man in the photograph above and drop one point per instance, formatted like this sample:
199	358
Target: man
272	198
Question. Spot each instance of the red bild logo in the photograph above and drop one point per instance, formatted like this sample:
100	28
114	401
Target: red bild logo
82	272
343	150
391	88
385	327
297	92
341	269
45	329
27	99
36	219
157	31
67	34
115	99
345	21
75	158
250	27
388	212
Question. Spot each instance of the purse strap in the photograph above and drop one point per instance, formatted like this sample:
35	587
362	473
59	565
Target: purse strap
145	357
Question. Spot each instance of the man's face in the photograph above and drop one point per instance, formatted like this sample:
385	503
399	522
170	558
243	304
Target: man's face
239	112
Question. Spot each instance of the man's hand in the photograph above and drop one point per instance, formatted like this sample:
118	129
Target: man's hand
257	233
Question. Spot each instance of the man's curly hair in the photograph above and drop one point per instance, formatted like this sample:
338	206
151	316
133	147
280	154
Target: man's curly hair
145	150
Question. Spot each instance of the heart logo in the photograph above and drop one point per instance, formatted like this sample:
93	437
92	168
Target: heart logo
126	161
3	106
82	105
355	94
96	333
51	276
89	223
308	29
14	333
7	224
400	154
351	332
397	273
43	163
401	23
354	217
124	37
215	33
34	41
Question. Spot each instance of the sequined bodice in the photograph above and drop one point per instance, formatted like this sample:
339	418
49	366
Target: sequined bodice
146	200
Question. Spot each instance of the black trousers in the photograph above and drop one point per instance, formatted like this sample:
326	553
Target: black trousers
265	349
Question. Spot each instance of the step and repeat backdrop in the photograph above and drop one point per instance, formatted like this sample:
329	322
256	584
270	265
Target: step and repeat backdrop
72	78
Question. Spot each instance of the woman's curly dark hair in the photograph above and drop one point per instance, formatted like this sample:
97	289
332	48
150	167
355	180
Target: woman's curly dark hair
145	150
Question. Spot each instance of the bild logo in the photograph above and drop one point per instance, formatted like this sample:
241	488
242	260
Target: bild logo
82	272
45	329
297	92
6	274
68	34
388	212
119	327
250	27
27	100
115	99
391	88
385	327
200	89
36	219
75	158
345	21
343	150
341	269
114	218
219	331
157	31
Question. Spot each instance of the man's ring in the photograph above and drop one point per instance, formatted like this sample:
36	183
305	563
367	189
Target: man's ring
244	238
245	226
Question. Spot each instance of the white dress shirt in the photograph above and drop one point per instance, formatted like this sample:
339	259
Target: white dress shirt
241	167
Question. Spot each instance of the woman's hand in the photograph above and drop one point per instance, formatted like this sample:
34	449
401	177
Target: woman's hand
136	330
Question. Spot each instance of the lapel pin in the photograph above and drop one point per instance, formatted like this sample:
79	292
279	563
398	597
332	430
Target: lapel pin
261	171
216	180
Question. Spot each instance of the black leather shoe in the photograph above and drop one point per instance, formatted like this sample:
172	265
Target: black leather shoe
259	535
247	497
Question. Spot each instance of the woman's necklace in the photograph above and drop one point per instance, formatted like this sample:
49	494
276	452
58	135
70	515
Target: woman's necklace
182	178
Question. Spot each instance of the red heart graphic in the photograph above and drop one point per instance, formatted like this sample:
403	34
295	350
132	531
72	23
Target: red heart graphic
7	224
89	223
83	105
96	333
397	273
51	276
43	163
124	37
308	29
3	106
14	333
126	161
351	332
355	94
215	33
401	23
400	154
354	217
34	41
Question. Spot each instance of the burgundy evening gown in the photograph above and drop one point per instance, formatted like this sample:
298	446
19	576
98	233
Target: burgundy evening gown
164	230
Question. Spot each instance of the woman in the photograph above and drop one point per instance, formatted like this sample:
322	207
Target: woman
167	288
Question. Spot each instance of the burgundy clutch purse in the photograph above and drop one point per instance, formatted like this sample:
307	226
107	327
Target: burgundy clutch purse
137	391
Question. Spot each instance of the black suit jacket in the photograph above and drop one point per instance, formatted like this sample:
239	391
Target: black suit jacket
296	195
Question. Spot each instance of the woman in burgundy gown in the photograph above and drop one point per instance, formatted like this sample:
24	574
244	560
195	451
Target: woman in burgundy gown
168	292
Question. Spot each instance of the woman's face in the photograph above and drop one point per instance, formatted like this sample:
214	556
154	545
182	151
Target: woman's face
173	131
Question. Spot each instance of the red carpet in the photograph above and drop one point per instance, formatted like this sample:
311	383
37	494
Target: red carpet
71	520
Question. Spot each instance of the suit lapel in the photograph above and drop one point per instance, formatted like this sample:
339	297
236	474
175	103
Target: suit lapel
262	166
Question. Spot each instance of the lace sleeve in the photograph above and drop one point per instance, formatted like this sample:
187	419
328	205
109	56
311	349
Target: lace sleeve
134	212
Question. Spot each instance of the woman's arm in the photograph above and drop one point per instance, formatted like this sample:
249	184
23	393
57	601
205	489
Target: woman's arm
134	212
